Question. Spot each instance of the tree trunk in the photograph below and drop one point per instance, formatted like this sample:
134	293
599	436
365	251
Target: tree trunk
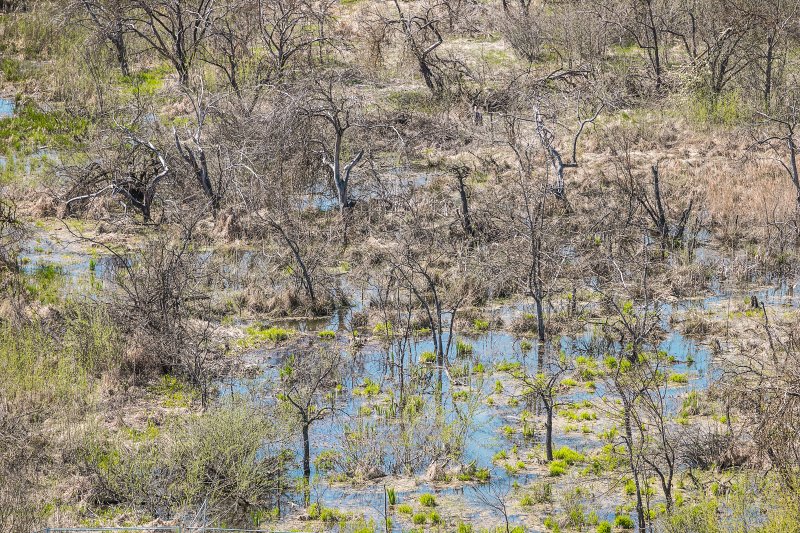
539	316
306	463
548	427
634	471
768	72
466	222
117	38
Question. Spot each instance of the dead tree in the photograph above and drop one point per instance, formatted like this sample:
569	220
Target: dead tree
176	29
656	212
781	140
546	386
547	138
136	177
110	20
422	39
336	112
304	380
195	156
461	173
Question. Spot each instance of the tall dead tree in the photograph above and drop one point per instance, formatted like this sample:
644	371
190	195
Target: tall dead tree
195	156
336	112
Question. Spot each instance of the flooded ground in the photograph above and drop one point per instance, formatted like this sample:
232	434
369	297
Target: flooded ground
484	399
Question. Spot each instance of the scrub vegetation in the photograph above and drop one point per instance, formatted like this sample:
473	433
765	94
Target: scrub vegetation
381	265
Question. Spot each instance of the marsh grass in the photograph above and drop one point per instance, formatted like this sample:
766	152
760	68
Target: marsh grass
39	368
30	129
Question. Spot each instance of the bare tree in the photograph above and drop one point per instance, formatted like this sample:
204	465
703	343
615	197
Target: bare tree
780	138
546	386
134	173
110	18
306	380
495	497
642	22
176	29
336	112
195	156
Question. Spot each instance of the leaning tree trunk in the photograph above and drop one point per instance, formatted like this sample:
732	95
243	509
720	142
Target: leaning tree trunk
117	38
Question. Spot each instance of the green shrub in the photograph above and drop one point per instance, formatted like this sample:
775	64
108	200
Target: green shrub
419	518
427	500
551	524
11	69
725	109
542	492
623	521
258	333
427	358
568	455
224	446
558	468
383	329
604	527
404	508
680	379
327	334
368	388
463	349
480	325
391	496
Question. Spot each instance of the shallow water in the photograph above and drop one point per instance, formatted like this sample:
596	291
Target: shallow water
485	436
6	107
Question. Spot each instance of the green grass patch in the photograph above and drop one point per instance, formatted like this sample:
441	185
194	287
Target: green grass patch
427	500
31	129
